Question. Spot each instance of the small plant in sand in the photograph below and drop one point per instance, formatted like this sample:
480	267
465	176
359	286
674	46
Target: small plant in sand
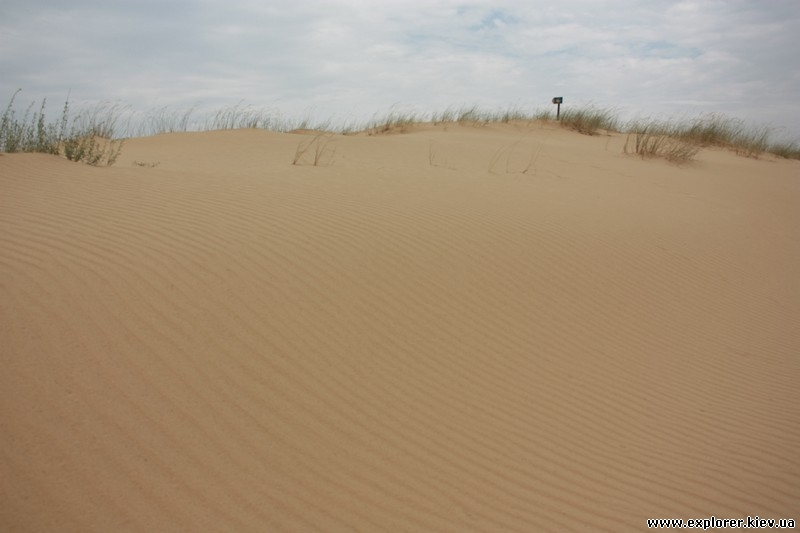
95	151
589	120
315	152
30	133
393	122
512	161
87	138
787	150
474	116
681	140
718	130
654	139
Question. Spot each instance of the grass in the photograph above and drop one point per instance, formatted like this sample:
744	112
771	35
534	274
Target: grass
393	122
514	163
590	120
315	151
785	149
679	141
475	116
659	139
719	130
86	137
164	120
716	130
94	135
160	121
400	122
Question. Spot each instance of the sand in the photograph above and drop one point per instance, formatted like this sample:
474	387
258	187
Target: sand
460	328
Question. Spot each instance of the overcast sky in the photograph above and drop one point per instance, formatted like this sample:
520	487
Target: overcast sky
349	60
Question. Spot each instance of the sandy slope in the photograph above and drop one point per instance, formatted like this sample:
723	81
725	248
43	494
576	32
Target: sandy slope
461	329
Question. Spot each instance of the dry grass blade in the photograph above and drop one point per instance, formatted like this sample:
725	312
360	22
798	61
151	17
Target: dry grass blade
589	121
656	139
315	151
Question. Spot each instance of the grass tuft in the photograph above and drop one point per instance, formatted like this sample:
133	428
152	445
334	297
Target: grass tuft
86	138
392	122
315	151
719	130
658	139
786	150
589	120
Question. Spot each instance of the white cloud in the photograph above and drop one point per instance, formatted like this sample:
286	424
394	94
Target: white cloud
355	58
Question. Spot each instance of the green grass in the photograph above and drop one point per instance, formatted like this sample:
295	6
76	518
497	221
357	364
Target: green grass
86	137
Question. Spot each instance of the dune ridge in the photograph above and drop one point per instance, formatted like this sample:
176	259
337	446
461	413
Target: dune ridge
506	328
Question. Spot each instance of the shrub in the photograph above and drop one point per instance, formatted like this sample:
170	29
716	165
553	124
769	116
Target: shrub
87	138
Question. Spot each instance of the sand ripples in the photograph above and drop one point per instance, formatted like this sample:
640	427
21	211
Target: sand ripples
269	347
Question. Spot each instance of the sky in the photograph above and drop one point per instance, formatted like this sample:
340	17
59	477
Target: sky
347	61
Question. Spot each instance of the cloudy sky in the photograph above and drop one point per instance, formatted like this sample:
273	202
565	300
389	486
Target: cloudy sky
348	60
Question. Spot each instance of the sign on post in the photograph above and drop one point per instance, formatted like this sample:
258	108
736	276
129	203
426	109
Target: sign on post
558	100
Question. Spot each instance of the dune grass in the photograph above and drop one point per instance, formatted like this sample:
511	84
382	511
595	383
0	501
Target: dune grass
680	140
590	120
719	130
315	151
394	121
785	149
239	116
475	116
88	137
397	121
659	139
95	135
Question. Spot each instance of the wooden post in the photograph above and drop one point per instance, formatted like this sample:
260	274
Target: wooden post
557	100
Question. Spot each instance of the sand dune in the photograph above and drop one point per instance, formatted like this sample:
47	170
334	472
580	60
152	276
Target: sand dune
504	328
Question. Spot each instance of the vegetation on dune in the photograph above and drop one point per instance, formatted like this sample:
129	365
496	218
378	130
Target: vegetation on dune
94	136
676	141
87	137
659	139
719	130
590	120
315	151
681	140
785	149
